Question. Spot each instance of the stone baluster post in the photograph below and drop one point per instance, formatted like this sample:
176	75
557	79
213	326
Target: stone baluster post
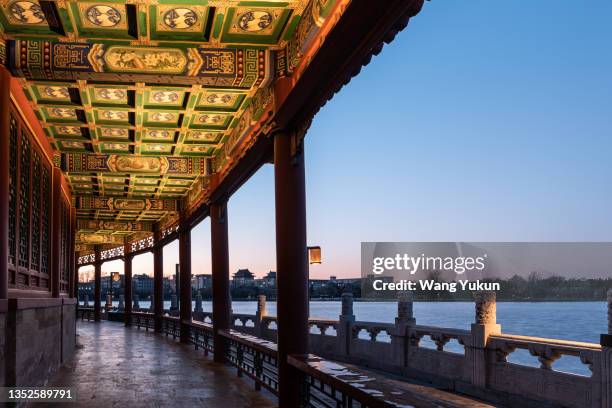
484	326
403	322
121	303
136	302
345	325
606	359
86	300
198	304
260	314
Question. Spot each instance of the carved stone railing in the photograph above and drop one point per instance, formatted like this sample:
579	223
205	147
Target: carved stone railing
372	330
483	367
246	323
324	326
469	361
547	351
440	336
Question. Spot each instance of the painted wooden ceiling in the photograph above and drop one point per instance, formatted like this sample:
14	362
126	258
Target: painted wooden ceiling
139	97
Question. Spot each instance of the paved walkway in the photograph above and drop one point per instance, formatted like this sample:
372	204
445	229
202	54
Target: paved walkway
119	367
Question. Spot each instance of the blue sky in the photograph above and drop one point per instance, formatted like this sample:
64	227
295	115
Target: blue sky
482	121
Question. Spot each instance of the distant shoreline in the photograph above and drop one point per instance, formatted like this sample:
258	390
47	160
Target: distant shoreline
434	301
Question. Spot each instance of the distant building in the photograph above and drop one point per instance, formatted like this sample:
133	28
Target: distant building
169	287
243	277
202	281
105	284
142	284
269	280
316	284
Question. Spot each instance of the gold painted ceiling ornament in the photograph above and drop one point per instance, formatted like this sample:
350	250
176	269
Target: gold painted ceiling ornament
180	18
145	59
26	12
73	145
164	97
80	178
110	94
98	239
63	113
114	132
116	146
158	134
69	130
55	92
254	20
163	117
211	119
137	164
203	136
196	149
102	16
114	115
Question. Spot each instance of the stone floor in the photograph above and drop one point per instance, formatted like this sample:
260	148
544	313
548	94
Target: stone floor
119	367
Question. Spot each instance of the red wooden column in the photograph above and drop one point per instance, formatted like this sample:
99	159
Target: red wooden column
291	263
74	276
97	285
5	102
220	276
158	286
127	282
185	280
56	231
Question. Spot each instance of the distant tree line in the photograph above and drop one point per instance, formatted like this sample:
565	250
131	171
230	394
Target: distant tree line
535	287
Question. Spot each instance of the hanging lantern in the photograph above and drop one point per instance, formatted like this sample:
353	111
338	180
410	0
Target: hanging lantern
314	255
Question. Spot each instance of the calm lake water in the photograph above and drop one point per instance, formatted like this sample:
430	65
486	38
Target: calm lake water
580	321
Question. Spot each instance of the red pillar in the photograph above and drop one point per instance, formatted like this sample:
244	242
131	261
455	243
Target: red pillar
158	286
97	285
185	280
74	276
291	263
127	281
220	275
5	102
56	231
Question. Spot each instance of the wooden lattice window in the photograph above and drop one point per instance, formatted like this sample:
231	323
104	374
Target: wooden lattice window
64	250
24	202
30	209
35	220
45	222
12	190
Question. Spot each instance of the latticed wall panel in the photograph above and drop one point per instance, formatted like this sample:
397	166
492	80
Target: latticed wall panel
29	210
64	257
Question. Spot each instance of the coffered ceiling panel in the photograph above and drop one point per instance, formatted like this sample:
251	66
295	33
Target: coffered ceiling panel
142	100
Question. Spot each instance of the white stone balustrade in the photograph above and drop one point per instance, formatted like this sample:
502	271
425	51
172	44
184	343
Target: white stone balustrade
480	368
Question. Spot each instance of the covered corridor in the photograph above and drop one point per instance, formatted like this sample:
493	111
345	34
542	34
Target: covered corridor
115	366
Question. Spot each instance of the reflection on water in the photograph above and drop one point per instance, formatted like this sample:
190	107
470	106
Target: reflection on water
580	321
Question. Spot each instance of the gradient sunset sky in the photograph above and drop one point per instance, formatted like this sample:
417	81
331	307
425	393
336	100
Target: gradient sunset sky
482	121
